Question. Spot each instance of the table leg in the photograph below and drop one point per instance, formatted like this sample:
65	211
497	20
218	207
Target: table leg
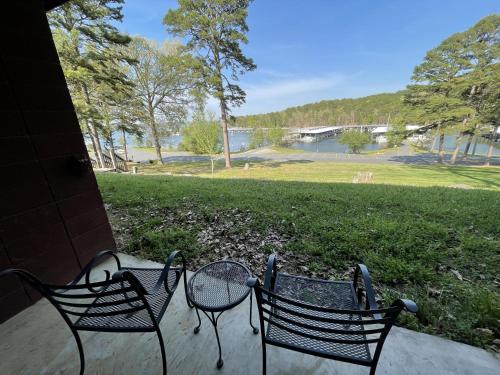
255	330
197	328
220	362
214	320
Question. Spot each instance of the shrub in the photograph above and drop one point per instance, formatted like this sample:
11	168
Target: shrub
354	140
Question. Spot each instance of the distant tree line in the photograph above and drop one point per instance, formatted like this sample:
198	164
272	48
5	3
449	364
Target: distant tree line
374	109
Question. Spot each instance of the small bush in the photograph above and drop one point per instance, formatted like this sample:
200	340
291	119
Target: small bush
354	140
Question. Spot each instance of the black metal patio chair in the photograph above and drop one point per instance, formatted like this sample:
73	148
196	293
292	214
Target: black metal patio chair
132	300
337	320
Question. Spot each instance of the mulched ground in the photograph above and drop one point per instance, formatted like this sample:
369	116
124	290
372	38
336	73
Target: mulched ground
222	235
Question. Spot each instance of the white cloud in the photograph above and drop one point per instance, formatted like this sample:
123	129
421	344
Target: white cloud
278	91
291	87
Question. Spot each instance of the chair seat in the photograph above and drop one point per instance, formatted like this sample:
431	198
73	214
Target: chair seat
139	320
331	294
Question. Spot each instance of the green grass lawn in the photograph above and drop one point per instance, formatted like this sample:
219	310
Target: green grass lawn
438	246
316	171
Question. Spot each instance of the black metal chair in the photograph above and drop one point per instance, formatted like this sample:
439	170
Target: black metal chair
132	300
338	320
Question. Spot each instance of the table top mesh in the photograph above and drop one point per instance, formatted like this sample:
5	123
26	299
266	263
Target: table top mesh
219	286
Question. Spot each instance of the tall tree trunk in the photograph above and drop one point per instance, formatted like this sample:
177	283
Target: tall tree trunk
467	146
112	152
457	148
93	130
458	143
223	109
491	146
476	138
97	142
225	134
94	146
433	144
125	145
471	136
154	132
441	148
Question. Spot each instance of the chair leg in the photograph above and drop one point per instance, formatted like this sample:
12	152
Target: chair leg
373	368
197	328
162	349
80	350
186	290
255	329
264	365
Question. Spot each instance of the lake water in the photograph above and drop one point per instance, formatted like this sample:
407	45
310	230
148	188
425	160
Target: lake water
481	148
330	144
239	141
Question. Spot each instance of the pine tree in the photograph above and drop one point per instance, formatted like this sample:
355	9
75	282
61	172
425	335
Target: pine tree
456	86
435	92
85	38
480	86
215	29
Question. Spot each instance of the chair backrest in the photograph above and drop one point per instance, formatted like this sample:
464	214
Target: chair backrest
351	331
95	304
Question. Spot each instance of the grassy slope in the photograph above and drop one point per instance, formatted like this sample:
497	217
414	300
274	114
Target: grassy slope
410	238
303	170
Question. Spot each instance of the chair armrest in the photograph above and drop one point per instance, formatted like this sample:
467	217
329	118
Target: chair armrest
271	270
132	279
406	304
93	262
371	304
252	282
25	276
163	279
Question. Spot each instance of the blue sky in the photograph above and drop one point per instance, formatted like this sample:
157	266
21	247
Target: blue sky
310	50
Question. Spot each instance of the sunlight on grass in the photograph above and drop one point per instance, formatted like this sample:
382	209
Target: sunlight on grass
317	171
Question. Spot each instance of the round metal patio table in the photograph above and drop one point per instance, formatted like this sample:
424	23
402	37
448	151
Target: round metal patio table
218	287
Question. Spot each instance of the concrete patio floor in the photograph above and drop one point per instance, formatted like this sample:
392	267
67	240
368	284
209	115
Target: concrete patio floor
37	341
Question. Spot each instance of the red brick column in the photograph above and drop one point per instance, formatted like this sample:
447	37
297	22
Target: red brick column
52	219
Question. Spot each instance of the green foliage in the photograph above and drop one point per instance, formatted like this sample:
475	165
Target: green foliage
355	140
396	134
202	136
374	109
262	137
457	83
165	78
275	136
410	238
88	42
215	29
258	138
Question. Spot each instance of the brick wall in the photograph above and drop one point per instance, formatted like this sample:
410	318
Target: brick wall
52	221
